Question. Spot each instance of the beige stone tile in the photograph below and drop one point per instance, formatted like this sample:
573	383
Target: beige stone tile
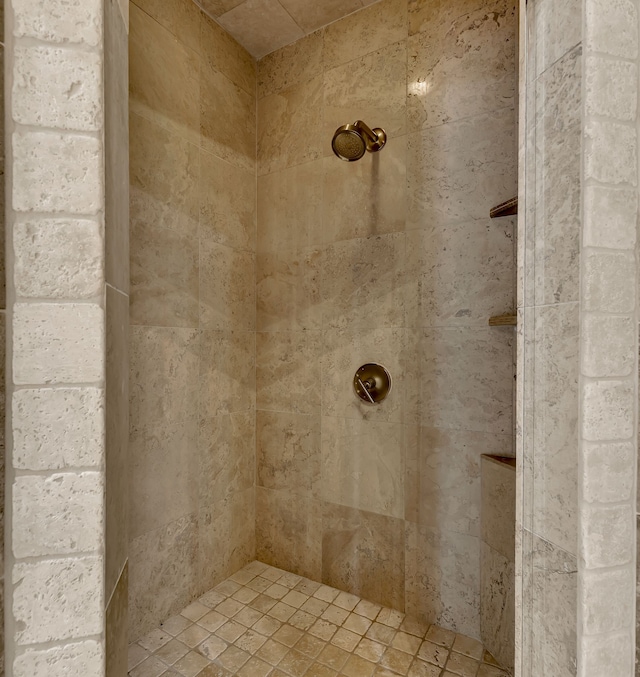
212	621
441	636
222	53
251	641
396	660
407	643
295	663
289	532
365	198
288	374
421	669
356	623
451	600
610	216
326	593
372	88
245	595
345	639
294	598
462	665
302	620
272	652
367	609
229	607
612	30
333	657
310	646
181	18
164	76
172	651
230	631
434	653
193	635
267	626
254	667
262	26
365	31
290	65
281	611
491	671
469	647
335	614
164	427
215	8
290	204
454	171
195	611
363	278
348	534
414	626
136	654
153	640
315	606
486	360
288	289
227	120
227	203
227	372
317	670
152	667
290	127
310	15
323	629
462	66
358	667
498	514
276	591
390	617
116	655
370	650
227	288
362	464
48	21
248	616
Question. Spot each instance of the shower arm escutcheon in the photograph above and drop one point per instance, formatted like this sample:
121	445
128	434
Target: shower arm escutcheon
372	383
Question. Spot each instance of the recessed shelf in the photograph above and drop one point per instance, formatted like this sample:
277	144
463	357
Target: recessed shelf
503	321
508	208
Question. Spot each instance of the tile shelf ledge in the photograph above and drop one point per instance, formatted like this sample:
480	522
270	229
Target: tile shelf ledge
508	320
508	208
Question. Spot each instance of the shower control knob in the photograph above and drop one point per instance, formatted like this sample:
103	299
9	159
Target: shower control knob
372	383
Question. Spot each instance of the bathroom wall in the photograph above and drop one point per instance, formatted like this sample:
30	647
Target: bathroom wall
3	306
192	314
392	259
578	342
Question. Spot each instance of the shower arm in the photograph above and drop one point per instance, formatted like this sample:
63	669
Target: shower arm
373	139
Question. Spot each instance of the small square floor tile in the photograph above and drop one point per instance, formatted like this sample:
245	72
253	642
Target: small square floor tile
307	587
230	631
396	660
154	640
288	635
310	646
295	599
468	646
381	633
295	663
491	671
233	659
345	639
211	648
390	617
356	623
318	670
191	664
227	588
136	655
176	624
367	609
433	653
346	601
323	629
282	612
172	652
150	667
326	594
193	635
251	641
440	636
254	667
334	614
245	595
421	669
406	642
370	650
211	599
243	576
272	652
195	611
248	616
262	603
259	584
229	607
415	627
212	621
314	606
302	620
267	626
333	656
462	665
358	667
289	580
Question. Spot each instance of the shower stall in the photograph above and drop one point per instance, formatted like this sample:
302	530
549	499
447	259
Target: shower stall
264	405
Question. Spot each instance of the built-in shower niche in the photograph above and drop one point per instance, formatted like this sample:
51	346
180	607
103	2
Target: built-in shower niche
497	557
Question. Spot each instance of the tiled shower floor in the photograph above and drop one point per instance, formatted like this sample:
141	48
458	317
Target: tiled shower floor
264	621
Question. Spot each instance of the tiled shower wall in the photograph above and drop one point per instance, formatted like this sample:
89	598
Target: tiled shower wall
192	375
578	348
392	259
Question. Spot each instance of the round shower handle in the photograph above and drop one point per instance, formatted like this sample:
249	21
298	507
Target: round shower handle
372	383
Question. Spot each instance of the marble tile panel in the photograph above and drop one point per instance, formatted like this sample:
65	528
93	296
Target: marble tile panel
556	29
366	198
610	87
310	15
498	509
365	31
227	120
611	152
288	451
164	426
227	288
608	410
443	578
227	462
605	474
611	652
226	538
459	274
610	217
363	279
181	17
227	372
612	28
227	203
262	26
607	535
605	276
461	66
549	599
75	658
290	126
443	479
289	530
290	65
555	390
215	8
164	83
288	289
458	171
604	596
117	436
164	225
424	14
116	639
557	181
608	345
363	465
349	537
288	375
465	379
497	604
344	351
162	573
117	155
290	205
371	88
222	53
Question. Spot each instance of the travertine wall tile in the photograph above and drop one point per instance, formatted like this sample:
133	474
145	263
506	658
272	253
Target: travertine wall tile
606	603
609	654
56	258
606	477
54	87
57	599
607	535
67	660
605	350
610	88
55	429
605	276
612	27
610	217
56	173
59	20
611	154
58	343
607	410
58	514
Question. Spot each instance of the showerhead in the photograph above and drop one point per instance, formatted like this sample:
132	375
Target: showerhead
350	142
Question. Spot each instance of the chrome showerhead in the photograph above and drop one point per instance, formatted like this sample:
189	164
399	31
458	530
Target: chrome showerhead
351	142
